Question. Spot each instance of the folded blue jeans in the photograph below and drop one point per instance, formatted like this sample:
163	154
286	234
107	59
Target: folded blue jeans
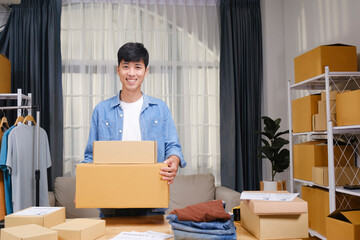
182	235
214	225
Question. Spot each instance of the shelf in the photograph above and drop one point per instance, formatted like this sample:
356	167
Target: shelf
316	234
318	82
310	183
8	96
352	129
309	133
350	192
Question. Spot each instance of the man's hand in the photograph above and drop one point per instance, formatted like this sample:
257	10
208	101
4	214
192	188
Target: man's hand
170	171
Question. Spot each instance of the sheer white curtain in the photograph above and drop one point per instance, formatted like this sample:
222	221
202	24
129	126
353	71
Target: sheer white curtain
183	41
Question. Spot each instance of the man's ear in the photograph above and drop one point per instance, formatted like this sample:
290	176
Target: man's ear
147	71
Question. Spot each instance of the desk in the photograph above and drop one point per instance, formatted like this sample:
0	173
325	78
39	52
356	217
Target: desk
116	225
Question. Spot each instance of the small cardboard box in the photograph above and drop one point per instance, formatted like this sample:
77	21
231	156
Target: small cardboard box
80	229
322	107
319	122
5	74
43	216
343	175
302	111
314	154
28	232
274	226
125	152
121	186
339	58
331	93
343	224
348	108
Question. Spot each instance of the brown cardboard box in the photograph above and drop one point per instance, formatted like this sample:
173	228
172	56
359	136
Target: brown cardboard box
5	74
302	111
80	229
322	107
121	186
125	152
343	224
314	154
348	108
319	122
274	226
28	232
339	58
318	206
343	175
43	216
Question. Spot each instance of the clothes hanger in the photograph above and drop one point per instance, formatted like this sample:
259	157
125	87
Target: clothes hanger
29	118
4	122
19	119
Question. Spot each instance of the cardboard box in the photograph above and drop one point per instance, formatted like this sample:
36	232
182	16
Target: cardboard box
274	226
80	229
322	107
339	58
28	232
302	111
121	186
125	152
348	108
5	74
315	154
343	224
343	175
43	216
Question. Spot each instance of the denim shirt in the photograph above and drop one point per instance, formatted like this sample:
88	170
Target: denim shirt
156	124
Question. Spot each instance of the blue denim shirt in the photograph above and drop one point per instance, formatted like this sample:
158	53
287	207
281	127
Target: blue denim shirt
156	124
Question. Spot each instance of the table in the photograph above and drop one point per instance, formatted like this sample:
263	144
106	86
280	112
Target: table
116	225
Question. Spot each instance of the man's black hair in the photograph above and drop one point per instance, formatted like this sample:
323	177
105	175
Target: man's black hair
133	52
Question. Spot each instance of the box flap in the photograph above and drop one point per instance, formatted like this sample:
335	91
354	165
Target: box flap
339	44
353	216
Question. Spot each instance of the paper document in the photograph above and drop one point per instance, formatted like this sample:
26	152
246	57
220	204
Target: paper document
149	235
269	196
39	211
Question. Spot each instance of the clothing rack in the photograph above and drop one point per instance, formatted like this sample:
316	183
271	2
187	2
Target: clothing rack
19	97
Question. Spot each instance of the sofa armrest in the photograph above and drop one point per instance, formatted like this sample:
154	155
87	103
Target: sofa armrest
51	199
231	197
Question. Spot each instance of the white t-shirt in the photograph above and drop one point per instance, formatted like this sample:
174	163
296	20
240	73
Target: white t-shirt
22	164
131	127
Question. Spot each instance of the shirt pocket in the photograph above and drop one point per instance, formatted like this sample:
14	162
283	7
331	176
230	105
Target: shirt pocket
155	128
107	130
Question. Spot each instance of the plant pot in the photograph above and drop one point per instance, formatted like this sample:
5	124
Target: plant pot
271	186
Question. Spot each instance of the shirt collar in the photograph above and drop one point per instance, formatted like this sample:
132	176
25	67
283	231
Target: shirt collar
147	101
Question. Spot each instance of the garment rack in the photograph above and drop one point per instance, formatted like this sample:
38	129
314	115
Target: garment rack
19	97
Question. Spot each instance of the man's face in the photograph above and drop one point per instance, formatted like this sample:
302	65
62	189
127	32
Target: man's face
132	75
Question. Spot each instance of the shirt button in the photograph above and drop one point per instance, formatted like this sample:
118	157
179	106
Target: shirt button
156	121
120	131
107	123
120	115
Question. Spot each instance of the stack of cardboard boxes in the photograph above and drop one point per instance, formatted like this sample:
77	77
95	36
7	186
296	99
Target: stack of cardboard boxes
49	223
5	74
310	158
124	174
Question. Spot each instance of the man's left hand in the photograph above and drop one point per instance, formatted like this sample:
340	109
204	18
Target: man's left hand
170	171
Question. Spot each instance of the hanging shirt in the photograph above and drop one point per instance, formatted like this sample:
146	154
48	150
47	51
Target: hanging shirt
7	177
21	161
2	190
132	120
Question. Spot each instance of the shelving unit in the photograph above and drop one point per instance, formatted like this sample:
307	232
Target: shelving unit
328	81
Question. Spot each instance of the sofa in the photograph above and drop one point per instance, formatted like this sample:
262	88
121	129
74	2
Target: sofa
186	190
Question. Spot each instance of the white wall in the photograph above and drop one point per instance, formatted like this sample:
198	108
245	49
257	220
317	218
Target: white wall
291	28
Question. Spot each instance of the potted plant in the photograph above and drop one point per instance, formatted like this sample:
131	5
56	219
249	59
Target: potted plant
272	147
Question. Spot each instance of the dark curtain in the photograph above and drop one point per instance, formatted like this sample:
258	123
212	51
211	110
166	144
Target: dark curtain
31	40
240	93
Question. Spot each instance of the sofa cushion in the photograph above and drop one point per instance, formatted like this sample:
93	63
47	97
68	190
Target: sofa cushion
64	190
191	189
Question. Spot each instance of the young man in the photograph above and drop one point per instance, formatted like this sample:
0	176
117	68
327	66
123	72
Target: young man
133	116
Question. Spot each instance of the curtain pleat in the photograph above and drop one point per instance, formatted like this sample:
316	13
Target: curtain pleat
31	40
240	93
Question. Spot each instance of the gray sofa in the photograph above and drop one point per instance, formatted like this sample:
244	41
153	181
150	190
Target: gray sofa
186	190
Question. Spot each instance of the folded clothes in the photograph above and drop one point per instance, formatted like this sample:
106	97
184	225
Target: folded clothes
182	235
203	212
215	225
